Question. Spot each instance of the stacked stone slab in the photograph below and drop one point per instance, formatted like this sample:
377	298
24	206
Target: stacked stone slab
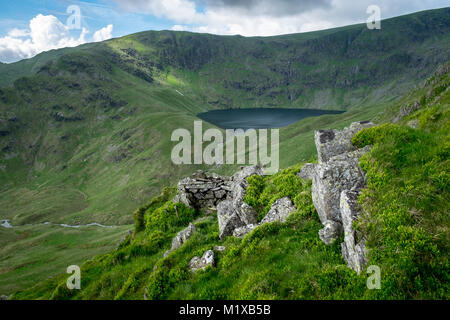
202	190
336	182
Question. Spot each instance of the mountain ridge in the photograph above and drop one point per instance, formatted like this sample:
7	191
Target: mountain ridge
85	137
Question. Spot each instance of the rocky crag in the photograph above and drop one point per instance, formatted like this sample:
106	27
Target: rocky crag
211	192
336	182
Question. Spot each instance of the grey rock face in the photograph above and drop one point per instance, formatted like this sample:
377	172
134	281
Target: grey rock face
279	211
406	111
234	212
197	263
219	248
228	219
340	173
242	231
181	238
336	181
3	297
307	171
330	143
330	232
354	253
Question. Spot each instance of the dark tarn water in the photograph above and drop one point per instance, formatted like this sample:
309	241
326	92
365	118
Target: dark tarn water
260	118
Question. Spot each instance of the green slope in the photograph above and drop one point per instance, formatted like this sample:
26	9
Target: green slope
85	131
405	218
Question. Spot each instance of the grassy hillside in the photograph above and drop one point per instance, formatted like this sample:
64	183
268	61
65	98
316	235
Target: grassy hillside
405	217
85	131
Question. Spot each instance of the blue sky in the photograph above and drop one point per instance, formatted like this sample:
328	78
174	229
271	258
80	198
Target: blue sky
95	15
28	27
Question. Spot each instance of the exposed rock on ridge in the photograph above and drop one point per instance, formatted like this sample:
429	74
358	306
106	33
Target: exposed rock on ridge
181	238
209	191
234	212
279	211
352	250
336	181
197	263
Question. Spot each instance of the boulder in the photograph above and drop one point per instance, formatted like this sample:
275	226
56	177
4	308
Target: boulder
330	232
279	211
234	212
353	252
242	231
336	181
197	263
181	238
307	171
228	219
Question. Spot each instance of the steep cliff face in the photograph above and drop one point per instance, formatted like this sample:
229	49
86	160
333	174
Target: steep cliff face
336	182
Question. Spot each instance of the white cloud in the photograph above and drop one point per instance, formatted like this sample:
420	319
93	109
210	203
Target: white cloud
178	27
182	11
45	33
266	17
103	34
18	33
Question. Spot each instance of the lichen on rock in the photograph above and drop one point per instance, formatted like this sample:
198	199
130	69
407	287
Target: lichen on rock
206	260
336	181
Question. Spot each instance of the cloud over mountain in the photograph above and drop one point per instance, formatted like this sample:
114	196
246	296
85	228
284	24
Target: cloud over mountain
45	32
266	17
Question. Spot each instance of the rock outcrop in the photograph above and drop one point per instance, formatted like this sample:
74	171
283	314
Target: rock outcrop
208	192
181	238
279	211
233	212
226	194
197	263
336	174
354	252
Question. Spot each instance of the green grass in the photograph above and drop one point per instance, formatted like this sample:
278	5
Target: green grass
404	217
108	158
406	203
30	254
275	261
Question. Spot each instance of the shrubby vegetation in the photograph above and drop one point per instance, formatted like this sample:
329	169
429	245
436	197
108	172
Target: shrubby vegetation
406	203
262	192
